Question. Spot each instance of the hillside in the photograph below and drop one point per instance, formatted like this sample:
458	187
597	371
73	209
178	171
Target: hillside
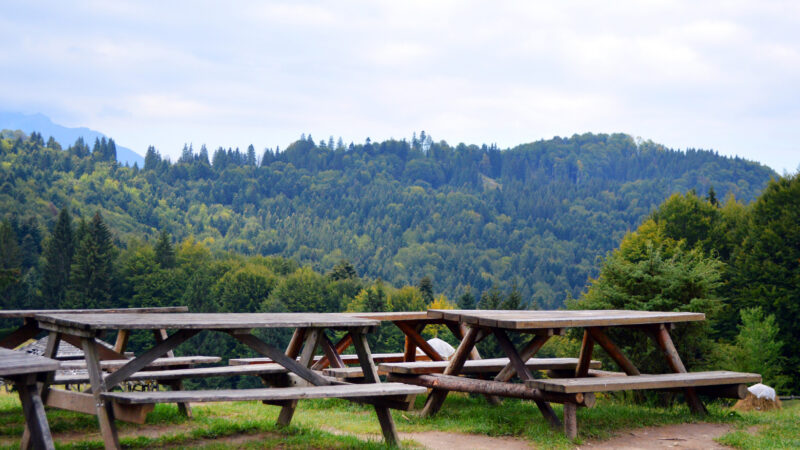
42	124
536	216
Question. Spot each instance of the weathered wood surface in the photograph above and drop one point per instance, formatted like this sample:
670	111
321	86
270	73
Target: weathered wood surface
492	365
347	359
12	313
660	381
273	394
180	374
84	403
20	363
199	321
521	320
113	364
492	388
392	316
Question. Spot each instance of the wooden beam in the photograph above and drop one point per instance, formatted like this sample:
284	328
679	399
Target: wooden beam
585	357
279	357
526	353
624	363
664	342
419	341
27	331
371	376
437	396
341	346
147	357
105	412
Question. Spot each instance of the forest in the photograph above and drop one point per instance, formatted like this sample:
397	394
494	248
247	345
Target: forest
591	221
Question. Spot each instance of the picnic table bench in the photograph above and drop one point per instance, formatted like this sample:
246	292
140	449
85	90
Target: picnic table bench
296	361
25	370
579	388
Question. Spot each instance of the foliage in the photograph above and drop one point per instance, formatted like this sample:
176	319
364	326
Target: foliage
758	348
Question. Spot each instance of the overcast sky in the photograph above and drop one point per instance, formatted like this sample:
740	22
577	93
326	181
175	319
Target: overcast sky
713	75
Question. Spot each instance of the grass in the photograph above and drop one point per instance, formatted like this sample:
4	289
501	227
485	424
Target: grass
341	424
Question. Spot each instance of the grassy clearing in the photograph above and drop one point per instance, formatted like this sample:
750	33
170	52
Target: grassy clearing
341	424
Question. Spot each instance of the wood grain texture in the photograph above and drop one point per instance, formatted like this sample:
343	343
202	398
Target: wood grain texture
113	364
12	313
200	321
347	359
521	320
273	394
20	363
660	381
180	374
478	366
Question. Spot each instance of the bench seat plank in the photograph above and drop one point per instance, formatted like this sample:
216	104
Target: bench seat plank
492	365
347	359
270	394
179	374
21	363
660	381
113	364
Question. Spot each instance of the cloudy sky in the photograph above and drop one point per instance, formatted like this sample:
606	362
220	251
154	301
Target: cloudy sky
714	75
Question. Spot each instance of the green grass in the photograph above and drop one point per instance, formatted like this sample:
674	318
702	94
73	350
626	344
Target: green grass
341	424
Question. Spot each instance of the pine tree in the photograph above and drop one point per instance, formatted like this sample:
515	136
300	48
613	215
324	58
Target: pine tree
92	274
58	254
426	289
164	252
467	300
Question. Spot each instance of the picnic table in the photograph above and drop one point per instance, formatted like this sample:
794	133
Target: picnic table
578	388
294	362
25	370
29	328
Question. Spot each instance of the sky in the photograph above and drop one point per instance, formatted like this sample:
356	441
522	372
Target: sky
686	74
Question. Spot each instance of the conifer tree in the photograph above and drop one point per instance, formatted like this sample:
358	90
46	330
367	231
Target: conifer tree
426	289
92	274
164	252
58	254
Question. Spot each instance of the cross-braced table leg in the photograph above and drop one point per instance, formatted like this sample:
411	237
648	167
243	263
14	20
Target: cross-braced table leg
437	396
664	341
33	408
371	376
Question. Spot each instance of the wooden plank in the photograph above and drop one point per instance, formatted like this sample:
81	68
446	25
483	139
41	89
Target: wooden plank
481	366
660	381
19	363
278	356
16	313
85	403
296	343
114	364
103	352
121	342
526	353
391	316
347	359
272	394
201	321
563	319
323	361
104	411
181	374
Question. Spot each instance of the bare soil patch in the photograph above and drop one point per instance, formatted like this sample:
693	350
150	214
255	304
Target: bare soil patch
690	435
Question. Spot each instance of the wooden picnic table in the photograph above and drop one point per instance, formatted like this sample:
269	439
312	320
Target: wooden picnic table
25	370
311	326
29	328
577	391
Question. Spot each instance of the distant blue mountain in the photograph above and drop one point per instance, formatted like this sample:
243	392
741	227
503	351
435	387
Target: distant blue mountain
65	136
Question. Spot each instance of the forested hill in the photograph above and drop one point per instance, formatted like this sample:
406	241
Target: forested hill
536	216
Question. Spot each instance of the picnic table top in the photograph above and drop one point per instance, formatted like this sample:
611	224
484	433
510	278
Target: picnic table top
12	313
391	316
201	321
561	318
16	363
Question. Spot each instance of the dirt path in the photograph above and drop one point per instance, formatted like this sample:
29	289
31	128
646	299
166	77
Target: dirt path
436	440
689	435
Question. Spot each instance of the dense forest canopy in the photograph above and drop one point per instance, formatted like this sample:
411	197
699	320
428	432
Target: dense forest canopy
536	216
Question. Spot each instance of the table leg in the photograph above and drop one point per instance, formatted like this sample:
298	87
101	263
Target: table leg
624	363
585	358
664	342
419	341
312	338
160	336
122	341
33	409
459	330
43	387
325	361
371	376
410	348
437	396
105	411
524	374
